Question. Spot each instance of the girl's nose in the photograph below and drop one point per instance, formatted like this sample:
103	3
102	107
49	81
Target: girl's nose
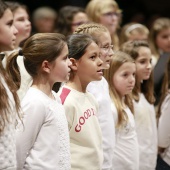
132	79
15	31
100	62
149	66
69	62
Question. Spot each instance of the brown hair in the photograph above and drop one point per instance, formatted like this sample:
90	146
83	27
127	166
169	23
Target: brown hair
165	88
3	8
132	48
5	107
39	47
118	59
159	25
65	18
15	5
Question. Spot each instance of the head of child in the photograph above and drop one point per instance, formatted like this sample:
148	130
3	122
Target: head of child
139	50
84	55
121	80
21	21
133	31
159	38
69	18
101	34
7	30
105	12
44	19
7	41
45	58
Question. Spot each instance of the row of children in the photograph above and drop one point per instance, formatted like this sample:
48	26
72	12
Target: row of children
102	134
107	13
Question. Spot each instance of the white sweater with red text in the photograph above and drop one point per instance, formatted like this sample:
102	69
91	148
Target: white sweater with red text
85	133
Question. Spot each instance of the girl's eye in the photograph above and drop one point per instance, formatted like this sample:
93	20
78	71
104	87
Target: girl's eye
142	61
125	75
10	23
93	57
20	19
65	58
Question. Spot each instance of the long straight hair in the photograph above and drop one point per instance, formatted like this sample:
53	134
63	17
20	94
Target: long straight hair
5	107
132	48
165	88
118	59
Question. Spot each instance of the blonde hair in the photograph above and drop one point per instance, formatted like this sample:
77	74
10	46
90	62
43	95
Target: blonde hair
159	25
132	48
129	28
95	8
118	59
93	29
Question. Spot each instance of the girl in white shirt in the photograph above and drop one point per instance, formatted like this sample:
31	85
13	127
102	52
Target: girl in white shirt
9	102
143	100
100	90
43	141
23	25
121	80
163	124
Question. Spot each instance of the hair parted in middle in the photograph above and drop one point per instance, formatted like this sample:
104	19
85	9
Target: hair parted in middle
132	48
39	47
118	59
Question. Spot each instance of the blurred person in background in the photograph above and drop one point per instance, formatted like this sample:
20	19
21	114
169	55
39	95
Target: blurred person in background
69	18
107	13
44	20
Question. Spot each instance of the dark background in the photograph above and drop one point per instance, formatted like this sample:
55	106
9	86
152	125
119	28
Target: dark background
143	11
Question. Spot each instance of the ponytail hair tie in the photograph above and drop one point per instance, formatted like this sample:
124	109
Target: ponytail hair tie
20	52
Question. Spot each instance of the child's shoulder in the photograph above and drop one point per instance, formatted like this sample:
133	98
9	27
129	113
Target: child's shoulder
166	102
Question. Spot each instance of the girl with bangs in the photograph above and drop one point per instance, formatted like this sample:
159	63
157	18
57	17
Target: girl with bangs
108	14
143	100
121	80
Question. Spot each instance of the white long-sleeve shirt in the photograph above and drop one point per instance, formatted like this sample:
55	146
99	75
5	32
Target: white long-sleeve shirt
8	136
100	91
164	129
145	120
126	152
43	142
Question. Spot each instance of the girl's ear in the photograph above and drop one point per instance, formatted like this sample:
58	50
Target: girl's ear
46	66
74	64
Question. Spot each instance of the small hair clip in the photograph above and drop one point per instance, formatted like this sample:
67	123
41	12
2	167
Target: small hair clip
20	52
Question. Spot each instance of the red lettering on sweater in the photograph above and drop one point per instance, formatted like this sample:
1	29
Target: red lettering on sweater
82	120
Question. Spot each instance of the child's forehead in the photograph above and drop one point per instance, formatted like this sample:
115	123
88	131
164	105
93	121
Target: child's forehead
106	9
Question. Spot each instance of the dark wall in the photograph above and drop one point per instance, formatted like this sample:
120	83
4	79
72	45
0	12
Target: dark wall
143	11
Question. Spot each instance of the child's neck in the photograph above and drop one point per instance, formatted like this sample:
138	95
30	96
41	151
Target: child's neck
77	84
44	87
123	102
